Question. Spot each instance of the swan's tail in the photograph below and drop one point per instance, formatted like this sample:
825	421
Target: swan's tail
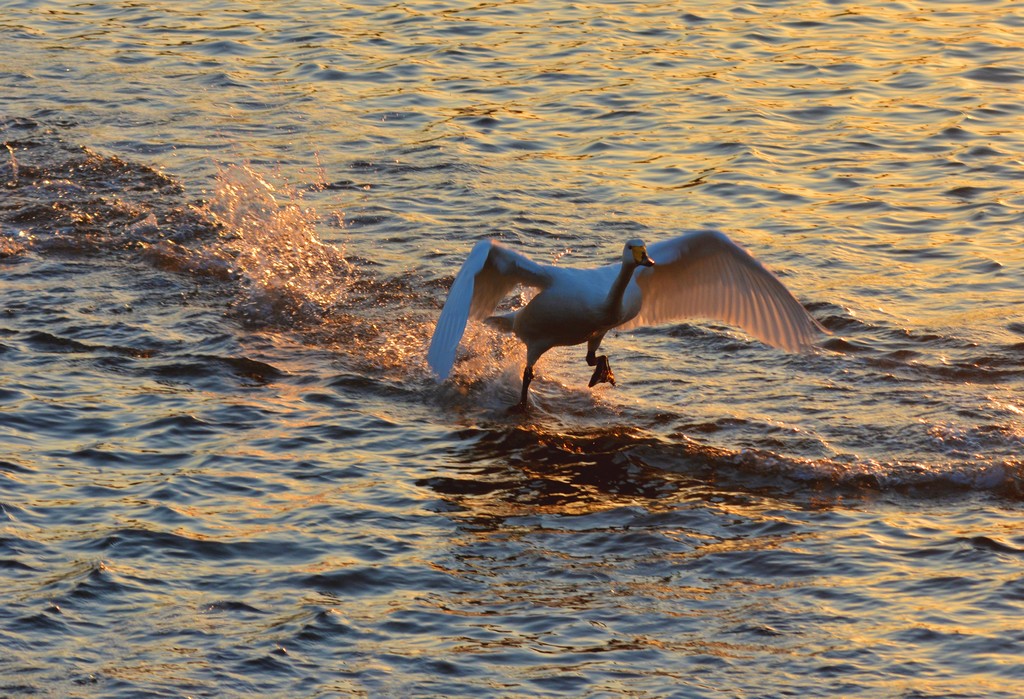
503	322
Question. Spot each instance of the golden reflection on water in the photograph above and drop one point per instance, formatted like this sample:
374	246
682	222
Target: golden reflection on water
869	151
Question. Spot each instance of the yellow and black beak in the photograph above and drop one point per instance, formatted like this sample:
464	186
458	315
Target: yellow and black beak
640	256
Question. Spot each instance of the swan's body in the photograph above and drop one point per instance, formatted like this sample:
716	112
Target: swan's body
698	275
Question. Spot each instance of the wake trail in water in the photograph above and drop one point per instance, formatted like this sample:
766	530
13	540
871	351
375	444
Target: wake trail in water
259	245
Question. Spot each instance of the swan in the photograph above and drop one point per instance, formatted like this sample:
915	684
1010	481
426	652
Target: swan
702	274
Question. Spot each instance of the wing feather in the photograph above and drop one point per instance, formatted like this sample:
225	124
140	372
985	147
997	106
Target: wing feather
706	275
489	273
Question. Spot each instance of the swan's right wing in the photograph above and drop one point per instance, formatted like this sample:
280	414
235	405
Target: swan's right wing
489	273
705	275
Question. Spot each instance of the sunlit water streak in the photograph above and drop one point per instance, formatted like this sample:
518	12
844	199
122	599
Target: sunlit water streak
226	230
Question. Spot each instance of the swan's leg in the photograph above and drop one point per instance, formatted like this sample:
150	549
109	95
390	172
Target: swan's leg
603	372
532	355
524	400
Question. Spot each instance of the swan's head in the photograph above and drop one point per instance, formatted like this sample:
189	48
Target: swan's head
635	253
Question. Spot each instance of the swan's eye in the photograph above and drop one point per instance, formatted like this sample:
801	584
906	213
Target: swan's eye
639	253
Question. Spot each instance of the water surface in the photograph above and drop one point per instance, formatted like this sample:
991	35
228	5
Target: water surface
226	231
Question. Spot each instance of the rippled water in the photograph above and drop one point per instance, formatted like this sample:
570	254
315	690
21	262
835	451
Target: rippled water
226	230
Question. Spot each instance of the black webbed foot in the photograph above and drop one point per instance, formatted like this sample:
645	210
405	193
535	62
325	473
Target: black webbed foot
603	373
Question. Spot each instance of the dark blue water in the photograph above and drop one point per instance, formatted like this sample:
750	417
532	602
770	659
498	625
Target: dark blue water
226	232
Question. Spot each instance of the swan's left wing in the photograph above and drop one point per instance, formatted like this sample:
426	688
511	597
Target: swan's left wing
489	273
706	275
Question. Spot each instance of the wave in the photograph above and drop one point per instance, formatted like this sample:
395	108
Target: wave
568	470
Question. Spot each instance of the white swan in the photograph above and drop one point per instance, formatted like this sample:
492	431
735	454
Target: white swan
698	275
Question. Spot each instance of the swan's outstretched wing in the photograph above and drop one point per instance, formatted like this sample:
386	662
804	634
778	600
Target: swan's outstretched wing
706	275
489	273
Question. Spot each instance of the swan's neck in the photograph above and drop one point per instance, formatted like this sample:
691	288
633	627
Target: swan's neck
614	300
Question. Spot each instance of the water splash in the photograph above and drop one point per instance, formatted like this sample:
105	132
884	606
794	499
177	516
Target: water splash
267	242
288	273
